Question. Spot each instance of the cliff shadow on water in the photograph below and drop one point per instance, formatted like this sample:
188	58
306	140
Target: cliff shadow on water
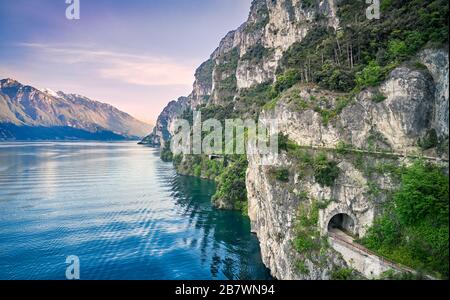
226	237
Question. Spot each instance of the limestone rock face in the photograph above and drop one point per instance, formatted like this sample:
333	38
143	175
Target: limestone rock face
249	55
399	121
415	102
436	60
406	113
273	26
164	127
272	209
203	84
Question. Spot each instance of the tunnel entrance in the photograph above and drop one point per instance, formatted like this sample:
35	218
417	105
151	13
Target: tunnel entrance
342	222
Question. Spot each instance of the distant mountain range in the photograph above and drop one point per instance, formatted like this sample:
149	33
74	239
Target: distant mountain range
27	113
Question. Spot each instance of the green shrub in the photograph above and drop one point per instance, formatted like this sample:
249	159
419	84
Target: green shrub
397	50
271	105
198	171
227	88
258	96
335	78
414	41
283	141
328	114
418	65
256	54
385	5
370	76
304	157
307	238
231	188
303	195
166	153
287	80
414	230
429	141
341	103
342	274
324	203
423	195
301	267
342	147
325	172
304	243
281	174
385	232
177	159
228	61
302	104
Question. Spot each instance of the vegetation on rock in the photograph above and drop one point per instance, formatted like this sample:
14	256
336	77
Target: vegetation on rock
414	228
363	52
307	234
166	153
256	54
231	190
325	172
281	174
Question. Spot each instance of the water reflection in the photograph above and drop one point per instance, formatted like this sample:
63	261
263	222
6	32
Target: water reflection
124	212
226	235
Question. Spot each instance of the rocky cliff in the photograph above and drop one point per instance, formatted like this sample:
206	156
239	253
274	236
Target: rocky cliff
25	106
247	56
353	111
377	135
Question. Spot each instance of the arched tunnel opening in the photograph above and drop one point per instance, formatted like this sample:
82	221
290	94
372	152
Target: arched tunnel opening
342	222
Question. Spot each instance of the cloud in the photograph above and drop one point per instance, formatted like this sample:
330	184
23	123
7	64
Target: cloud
151	73
126	67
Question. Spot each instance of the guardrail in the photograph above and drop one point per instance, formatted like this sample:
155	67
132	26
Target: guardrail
392	154
368	252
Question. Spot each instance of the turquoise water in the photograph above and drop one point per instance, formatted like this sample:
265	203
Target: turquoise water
121	210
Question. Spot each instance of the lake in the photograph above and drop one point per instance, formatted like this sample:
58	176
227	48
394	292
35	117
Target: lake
121	210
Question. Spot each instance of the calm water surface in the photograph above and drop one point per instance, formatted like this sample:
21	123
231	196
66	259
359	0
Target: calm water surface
121	210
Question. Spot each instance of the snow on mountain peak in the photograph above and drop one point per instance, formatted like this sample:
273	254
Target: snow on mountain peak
50	92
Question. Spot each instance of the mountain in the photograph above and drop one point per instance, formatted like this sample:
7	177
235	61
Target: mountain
29	113
247	57
363	109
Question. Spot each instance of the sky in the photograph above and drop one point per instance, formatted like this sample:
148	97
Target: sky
134	54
